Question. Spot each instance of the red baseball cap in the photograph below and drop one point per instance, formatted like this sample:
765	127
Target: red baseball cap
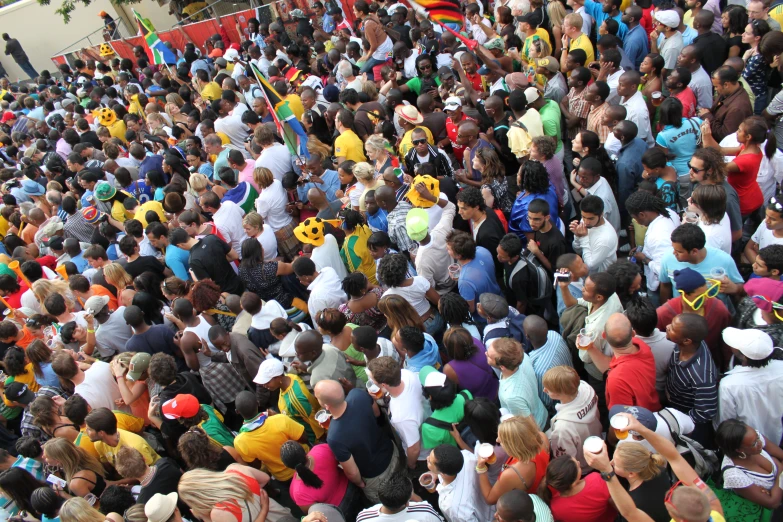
7	116
181	406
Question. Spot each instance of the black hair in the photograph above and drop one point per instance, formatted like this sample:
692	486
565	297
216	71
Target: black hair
690	236
392	270
592	204
643	316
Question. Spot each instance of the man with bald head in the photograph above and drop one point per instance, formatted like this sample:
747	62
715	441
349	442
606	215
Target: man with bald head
632	99
713	48
632	379
549	349
691	58
367	455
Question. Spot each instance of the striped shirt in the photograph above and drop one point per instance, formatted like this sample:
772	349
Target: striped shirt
553	353
421	511
691	386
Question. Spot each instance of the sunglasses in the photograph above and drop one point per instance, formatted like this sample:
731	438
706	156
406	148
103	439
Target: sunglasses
694	169
713	288
420	142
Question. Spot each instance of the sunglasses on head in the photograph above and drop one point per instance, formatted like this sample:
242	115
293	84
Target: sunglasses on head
713	288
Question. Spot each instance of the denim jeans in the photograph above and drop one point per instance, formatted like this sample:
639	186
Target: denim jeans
368	65
28	69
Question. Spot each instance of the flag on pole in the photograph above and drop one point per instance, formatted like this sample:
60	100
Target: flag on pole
441	11
160	53
288	126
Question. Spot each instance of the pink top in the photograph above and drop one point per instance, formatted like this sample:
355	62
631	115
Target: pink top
334	480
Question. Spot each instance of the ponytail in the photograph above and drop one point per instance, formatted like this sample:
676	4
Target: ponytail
294	457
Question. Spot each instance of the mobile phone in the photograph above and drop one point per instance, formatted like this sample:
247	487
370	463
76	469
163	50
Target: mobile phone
54	480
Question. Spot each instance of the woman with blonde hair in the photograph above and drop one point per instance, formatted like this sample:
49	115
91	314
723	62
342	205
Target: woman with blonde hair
236	492
253	224
135	393
366	181
116	276
83	472
43	288
378	150
528	450
77	509
647	482
271	206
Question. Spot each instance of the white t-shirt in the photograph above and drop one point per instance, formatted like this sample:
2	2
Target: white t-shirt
99	387
408	412
764	236
414	294
718	236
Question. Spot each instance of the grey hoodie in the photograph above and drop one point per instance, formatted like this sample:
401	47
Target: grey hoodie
573	423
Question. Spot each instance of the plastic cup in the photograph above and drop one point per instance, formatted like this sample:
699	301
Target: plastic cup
584	339
487	451
620	425
374	390
428	481
324	418
454	271
718	273
593	444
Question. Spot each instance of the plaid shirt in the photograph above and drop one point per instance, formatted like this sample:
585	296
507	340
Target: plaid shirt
28	428
578	107
594	124
397	229
77	227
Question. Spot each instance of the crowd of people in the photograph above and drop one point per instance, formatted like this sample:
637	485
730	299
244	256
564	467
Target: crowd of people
522	267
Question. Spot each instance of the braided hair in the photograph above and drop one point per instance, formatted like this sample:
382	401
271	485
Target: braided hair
643	201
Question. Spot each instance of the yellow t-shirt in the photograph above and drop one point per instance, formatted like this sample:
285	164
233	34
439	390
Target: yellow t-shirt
108	454
349	146
264	443
118	130
406	143
211	91
583	43
142	210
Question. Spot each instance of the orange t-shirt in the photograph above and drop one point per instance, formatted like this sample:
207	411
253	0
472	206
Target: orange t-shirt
103	291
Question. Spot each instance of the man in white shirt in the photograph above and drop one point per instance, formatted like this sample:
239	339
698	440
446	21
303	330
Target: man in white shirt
746	391
632	99
594	238
326	289
459	496
275	156
227	217
407	408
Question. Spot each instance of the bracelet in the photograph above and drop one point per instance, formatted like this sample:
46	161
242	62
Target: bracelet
481	470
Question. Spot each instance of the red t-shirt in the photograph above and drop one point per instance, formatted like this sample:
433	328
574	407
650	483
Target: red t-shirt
592	503
744	182
688	100
631	379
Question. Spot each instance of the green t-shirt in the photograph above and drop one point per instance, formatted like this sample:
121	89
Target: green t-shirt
415	84
550	119
432	436
215	428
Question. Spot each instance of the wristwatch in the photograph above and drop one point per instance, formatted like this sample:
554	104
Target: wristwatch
608	476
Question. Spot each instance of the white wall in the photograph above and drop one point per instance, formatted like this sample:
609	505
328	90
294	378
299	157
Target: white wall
43	33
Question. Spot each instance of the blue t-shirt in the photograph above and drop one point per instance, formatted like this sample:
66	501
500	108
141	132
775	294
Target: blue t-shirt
478	277
714	258
681	142
177	260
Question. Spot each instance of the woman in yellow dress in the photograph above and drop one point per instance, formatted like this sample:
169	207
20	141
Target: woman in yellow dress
354	252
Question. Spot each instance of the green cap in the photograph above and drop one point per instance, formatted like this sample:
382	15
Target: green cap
417	223
138	365
104	191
